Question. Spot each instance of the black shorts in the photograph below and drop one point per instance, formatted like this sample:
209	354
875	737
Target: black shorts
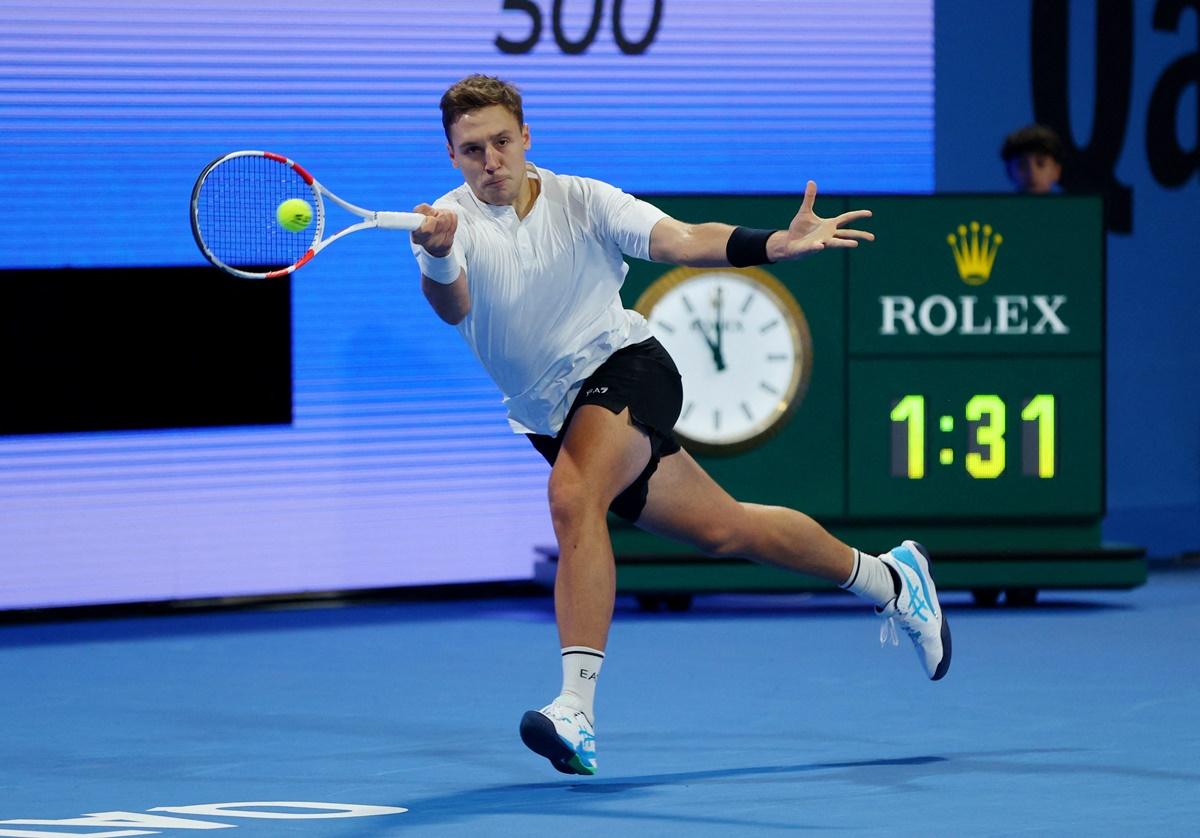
643	378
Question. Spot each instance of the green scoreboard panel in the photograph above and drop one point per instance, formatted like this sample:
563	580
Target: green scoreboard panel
954	393
975	373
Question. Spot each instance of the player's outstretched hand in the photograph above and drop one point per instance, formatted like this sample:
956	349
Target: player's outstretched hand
809	233
436	234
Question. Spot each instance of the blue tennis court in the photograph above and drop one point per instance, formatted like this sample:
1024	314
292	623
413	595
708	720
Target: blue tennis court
747	715
295	548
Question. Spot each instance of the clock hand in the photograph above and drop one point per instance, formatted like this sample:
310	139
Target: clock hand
718	356
712	346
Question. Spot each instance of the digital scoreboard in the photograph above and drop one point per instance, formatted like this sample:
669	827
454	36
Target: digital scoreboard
975	361
943	383
980	438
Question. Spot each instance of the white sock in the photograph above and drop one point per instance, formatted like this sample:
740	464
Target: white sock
581	667
871	579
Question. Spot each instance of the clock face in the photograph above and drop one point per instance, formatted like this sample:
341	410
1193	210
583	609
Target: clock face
743	347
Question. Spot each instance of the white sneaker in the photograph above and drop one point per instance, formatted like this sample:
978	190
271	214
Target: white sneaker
917	610
562	735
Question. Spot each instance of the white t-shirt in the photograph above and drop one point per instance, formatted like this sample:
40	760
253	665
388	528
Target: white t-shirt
545	304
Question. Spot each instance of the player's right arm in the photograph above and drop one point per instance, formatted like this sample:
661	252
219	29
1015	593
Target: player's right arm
446	289
711	244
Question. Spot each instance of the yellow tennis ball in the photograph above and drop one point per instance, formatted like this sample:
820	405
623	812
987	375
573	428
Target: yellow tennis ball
294	214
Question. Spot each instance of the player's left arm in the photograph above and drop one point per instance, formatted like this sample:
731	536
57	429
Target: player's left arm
709	245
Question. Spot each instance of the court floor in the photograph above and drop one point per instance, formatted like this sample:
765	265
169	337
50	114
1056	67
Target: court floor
749	715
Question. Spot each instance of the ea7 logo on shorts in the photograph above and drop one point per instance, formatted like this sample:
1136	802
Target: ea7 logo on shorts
594	390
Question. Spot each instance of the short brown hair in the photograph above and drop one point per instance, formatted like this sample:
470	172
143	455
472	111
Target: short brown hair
1036	139
479	91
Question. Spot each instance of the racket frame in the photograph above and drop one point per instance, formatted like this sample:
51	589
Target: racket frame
372	219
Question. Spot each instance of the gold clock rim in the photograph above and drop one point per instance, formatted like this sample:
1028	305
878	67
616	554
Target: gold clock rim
801	336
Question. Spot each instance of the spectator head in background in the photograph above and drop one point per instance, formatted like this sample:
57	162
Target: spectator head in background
1033	158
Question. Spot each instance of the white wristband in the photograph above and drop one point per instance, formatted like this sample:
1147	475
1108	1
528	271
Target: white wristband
441	269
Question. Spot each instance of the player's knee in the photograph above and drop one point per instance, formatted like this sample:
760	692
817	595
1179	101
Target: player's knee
571	500
719	539
727	533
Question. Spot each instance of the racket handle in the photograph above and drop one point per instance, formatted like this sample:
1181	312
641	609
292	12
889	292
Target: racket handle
398	220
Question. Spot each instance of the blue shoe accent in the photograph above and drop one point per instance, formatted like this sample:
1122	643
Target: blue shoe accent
916	609
905	556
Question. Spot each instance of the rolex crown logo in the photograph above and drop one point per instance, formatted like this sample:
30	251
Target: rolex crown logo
974	251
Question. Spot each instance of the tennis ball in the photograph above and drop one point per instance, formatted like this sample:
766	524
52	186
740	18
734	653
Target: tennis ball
294	214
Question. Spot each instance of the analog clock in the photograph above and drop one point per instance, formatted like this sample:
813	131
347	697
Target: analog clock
743	347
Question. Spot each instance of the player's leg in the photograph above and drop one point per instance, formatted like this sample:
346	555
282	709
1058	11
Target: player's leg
686	504
602	453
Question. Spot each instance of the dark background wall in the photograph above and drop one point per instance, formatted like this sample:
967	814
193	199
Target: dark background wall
1119	80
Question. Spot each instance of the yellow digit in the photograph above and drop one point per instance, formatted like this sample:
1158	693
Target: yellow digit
911	411
990	435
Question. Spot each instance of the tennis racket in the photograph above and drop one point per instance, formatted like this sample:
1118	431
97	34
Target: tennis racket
233	215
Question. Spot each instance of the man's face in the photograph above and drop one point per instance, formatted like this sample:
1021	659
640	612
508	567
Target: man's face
1034	172
489	147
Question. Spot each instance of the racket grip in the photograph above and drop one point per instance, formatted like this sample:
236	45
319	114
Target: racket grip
398	220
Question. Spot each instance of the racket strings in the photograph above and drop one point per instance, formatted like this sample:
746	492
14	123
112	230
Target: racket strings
235	213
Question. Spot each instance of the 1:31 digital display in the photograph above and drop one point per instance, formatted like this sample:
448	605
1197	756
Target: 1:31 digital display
987	449
980	438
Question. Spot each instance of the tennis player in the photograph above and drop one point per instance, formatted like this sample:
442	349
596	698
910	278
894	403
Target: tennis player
527	265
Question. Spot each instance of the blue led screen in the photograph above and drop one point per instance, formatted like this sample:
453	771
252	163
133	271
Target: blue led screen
398	468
